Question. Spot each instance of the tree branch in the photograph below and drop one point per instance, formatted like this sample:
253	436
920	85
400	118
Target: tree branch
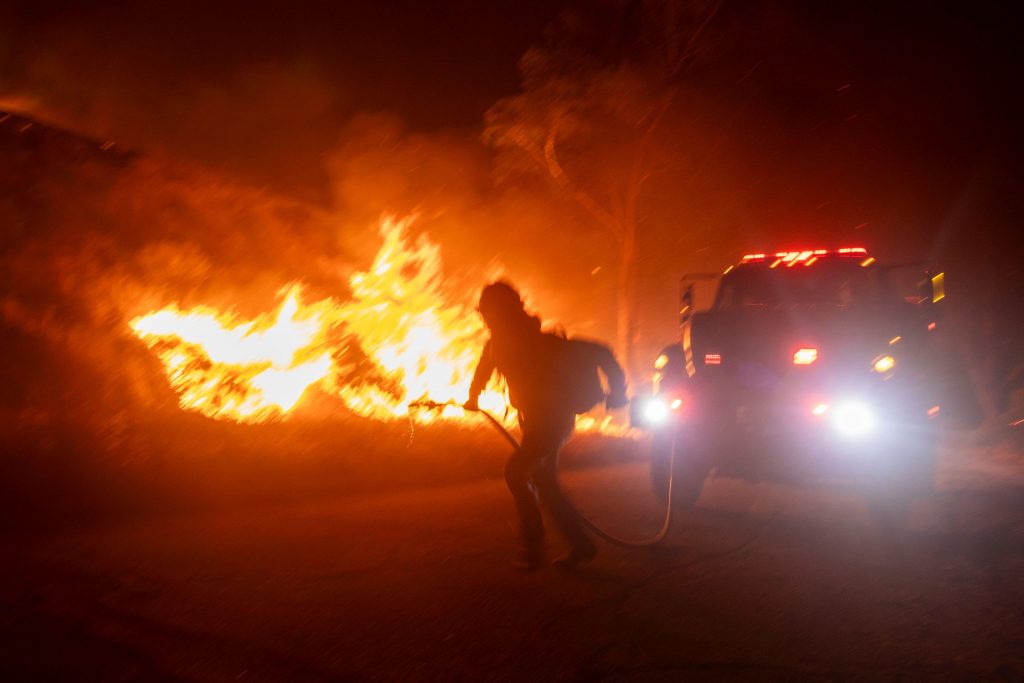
691	50
583	198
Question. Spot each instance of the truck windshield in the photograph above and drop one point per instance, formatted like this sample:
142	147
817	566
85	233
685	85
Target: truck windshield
828	285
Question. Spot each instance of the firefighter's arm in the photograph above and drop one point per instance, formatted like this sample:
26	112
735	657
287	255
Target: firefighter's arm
482	375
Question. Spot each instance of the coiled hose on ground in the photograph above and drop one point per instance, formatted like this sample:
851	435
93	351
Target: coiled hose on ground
598	531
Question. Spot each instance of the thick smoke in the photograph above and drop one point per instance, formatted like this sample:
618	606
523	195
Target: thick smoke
100	236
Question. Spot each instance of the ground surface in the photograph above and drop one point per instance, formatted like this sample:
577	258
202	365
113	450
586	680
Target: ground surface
759	582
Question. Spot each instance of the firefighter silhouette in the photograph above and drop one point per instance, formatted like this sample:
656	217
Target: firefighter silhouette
549	380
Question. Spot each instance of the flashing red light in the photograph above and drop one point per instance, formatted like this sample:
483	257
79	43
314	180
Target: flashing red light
806	256
712	359
800	257
805	356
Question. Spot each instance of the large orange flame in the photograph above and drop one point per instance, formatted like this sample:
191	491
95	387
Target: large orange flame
398	316
419	345
246	371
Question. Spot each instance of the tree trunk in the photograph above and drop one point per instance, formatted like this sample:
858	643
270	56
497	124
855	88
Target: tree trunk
626	301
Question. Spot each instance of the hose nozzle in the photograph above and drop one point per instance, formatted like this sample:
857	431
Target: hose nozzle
428	404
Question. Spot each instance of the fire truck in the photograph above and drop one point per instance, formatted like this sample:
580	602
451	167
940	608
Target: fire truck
809	366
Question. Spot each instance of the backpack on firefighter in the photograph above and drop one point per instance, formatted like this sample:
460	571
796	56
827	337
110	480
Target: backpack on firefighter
582	364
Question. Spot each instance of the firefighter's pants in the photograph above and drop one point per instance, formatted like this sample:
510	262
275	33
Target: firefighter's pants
532	473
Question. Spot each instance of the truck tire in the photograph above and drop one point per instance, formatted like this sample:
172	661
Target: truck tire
689	473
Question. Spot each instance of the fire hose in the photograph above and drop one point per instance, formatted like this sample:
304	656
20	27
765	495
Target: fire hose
598	531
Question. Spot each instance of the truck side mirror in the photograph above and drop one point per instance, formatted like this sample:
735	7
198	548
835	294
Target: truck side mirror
686	303
938	287
931	289
935	292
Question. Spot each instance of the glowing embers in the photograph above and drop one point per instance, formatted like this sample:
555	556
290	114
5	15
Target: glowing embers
805	356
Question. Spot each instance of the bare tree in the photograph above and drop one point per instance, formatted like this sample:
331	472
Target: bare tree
590	114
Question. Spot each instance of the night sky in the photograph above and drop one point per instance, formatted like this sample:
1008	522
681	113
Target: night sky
250	86
935	83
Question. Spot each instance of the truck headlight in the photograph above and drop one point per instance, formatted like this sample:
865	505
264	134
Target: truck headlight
656	410
853	418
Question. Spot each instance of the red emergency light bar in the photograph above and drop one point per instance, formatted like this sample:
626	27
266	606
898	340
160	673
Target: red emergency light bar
805	256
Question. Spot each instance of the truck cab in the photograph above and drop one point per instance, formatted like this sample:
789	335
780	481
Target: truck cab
810	365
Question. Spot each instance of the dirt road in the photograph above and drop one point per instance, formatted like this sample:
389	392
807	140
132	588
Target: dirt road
759	582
